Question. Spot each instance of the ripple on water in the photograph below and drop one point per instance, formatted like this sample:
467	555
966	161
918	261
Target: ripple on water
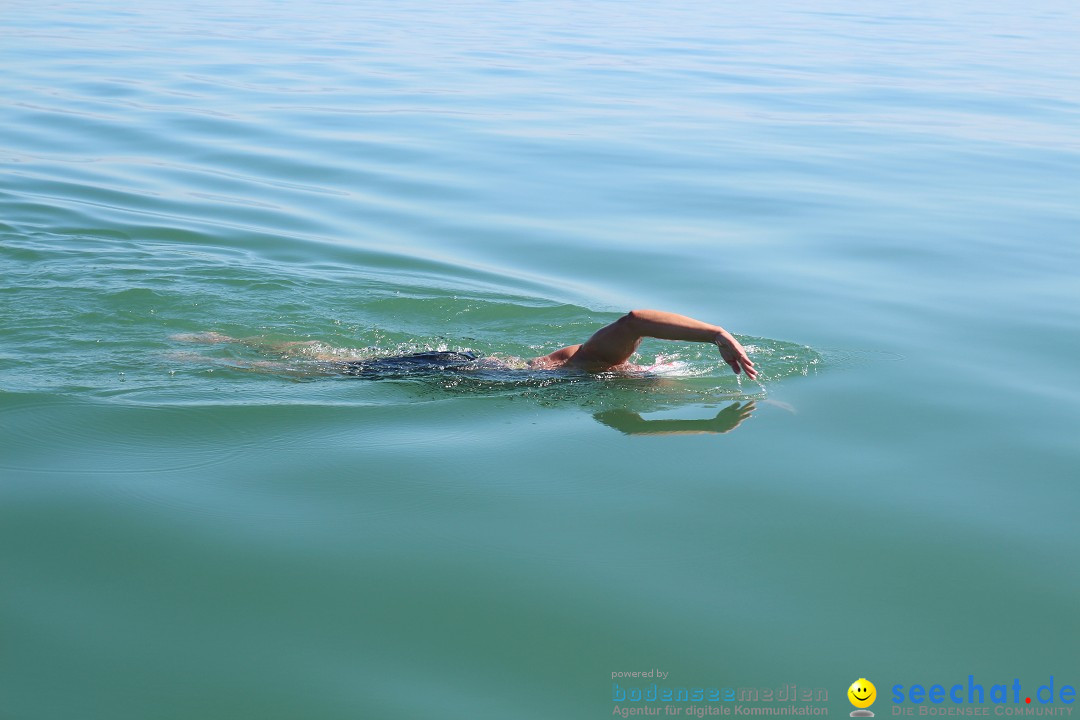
51	434
291	464
92	308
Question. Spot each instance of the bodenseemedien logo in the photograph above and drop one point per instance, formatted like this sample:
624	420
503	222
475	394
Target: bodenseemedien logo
862	695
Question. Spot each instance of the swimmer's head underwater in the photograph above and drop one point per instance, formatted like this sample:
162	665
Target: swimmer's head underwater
608	350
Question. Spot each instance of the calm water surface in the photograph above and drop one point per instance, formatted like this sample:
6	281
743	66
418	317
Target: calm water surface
879	199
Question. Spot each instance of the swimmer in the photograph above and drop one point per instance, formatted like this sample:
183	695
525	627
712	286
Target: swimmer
608	350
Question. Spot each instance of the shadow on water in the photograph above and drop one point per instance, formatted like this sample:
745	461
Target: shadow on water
631	423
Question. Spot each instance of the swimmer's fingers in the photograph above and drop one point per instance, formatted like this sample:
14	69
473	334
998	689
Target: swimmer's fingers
743	363
748	368
735	355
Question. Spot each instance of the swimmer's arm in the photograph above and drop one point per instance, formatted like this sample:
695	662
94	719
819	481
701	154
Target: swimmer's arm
615	343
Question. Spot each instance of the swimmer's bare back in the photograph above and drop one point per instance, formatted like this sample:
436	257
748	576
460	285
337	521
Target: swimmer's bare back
611	346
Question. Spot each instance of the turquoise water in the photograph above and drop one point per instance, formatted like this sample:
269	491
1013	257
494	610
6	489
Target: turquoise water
878	199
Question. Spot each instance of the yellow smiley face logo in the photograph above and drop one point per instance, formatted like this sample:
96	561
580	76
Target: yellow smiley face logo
862	693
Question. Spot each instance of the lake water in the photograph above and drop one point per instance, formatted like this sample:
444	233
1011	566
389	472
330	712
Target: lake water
879	199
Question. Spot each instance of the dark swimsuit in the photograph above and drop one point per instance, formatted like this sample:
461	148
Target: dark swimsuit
400	366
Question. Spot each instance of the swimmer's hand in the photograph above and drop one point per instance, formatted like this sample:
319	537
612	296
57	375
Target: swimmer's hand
734	354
